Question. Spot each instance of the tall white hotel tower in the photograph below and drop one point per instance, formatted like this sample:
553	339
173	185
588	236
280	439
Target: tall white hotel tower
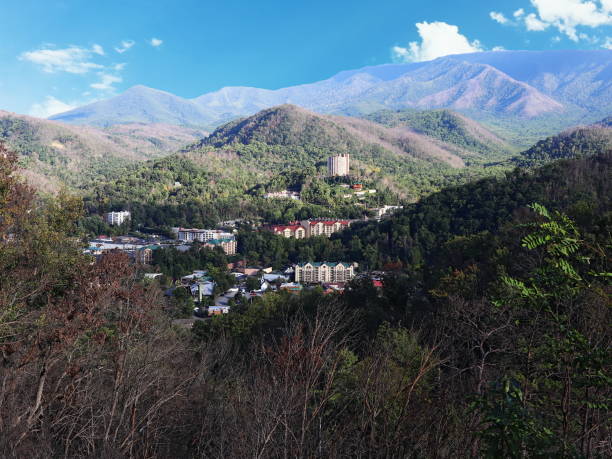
338	166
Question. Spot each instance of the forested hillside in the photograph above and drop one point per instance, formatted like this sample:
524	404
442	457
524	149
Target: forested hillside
53	154
448	126
223	176
580	141
415	235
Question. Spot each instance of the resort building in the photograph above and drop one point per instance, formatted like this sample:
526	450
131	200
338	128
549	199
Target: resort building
319	272
308	228
324	227
228	245
292	230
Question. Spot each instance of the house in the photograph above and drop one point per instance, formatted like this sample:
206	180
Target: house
320	272
200	275
265	286
291	287
273	277
202	289
249	271
385	210
218	310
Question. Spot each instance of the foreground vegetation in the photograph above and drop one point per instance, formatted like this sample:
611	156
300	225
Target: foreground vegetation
493	341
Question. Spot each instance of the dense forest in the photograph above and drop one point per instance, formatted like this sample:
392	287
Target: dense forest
447	126
489	337
581	141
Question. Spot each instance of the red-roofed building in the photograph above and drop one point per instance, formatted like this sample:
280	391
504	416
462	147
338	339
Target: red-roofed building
292	230
308	228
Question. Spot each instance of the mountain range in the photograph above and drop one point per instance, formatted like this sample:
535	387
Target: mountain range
564	87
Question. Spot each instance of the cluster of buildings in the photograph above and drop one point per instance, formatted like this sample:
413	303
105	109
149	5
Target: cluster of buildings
309	228
138	250
332	276
210	237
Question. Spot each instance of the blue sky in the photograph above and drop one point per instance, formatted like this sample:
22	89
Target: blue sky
58	54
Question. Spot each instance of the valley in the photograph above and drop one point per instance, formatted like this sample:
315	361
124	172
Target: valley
404	260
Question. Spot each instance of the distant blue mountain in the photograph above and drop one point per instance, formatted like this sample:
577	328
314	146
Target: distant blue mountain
570	86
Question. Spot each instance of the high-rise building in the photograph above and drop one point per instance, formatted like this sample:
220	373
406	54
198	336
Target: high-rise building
338	166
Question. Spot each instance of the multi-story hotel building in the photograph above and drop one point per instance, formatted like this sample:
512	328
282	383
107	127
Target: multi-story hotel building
201	235
293	230
228	245
308	228
320	272
324	227
117	218
338	166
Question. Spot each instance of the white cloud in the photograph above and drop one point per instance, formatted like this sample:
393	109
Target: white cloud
155	42
98	49
607	43
567	15
119	67
437	39
106	82
534	24
50	106
73	59
125	45
519	13
498	48
498	17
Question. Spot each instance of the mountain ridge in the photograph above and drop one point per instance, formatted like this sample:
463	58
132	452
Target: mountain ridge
476	83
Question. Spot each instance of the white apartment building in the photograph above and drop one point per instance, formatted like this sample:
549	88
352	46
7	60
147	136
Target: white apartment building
322	272
201	235
338	166
117	218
